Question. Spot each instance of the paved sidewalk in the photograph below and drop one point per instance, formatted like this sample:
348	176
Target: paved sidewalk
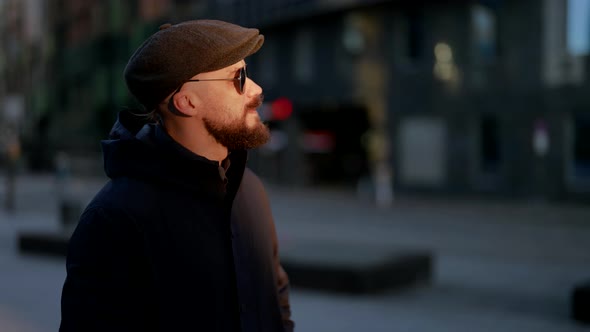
532	231
499	266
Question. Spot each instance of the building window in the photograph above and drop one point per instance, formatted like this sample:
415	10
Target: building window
578	153
581	148
303	56
353	38
490	153
422	152
578	27
484	32
415	35
267	58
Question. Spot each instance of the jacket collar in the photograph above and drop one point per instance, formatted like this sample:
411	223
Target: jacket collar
152	155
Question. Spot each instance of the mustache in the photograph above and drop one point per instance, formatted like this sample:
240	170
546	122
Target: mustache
256	102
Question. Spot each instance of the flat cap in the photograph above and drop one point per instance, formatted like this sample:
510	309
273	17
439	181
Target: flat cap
178	52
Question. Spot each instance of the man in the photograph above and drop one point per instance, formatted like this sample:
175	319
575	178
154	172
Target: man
181	238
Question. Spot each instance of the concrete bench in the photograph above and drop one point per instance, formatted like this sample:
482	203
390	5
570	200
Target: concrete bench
342	267
317	265
44	243
581	302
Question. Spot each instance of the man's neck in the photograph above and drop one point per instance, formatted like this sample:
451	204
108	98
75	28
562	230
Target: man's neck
198	141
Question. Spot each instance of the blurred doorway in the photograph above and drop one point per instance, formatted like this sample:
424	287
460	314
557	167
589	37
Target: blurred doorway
489	155
489	140
578	153
331	143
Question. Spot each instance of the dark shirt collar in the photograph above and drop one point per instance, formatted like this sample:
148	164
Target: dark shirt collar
164	139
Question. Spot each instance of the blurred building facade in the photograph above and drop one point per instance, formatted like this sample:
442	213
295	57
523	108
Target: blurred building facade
22	45
443	97
92	40
471	97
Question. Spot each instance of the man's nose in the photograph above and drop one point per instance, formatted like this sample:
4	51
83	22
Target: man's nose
252	89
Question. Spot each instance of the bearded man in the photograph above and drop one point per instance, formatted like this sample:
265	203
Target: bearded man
181	238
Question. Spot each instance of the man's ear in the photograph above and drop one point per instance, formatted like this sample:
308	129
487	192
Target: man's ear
183	104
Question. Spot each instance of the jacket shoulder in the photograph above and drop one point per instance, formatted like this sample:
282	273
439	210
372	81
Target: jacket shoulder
115	210
251	183
124	198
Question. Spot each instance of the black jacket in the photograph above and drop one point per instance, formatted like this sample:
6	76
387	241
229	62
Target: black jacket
173	242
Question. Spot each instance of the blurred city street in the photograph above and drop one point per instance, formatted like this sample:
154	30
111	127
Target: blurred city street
484	99
499	266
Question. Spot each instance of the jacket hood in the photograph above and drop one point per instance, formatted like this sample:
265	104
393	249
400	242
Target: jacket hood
141	149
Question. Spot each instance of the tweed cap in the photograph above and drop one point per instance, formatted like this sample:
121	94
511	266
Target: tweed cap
178	52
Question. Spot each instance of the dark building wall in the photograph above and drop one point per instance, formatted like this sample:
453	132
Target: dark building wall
520	28
487	114
491	116
480	116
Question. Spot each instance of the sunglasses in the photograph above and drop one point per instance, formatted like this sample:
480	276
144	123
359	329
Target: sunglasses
239	82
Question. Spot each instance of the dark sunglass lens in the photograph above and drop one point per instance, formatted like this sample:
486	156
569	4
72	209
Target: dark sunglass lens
243	76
